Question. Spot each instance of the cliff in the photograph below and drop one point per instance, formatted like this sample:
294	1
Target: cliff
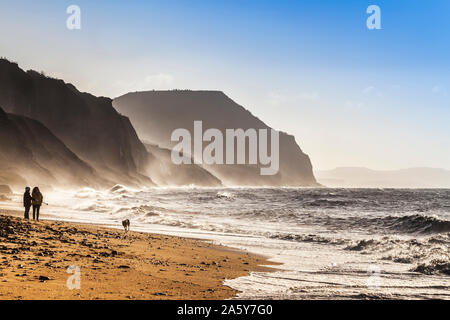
88	125
156	114
89	128
32	155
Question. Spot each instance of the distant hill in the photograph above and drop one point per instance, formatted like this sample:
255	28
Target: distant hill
405	178
155	114
32	155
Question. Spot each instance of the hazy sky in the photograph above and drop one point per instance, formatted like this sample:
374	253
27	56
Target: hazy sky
351	96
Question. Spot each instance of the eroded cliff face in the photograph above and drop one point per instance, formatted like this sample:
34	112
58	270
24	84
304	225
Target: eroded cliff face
156	114
87	125
89	128
32	155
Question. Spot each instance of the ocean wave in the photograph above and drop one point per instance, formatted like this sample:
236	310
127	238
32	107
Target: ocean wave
95	207
423	252
384	244
225	195
417	224
433	267
330	203
85	193
120	189
143	210
117	189
309	238
213	197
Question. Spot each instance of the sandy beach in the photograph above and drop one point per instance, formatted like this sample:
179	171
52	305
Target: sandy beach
35	257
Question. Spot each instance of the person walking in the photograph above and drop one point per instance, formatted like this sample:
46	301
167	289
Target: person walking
27	199
37	202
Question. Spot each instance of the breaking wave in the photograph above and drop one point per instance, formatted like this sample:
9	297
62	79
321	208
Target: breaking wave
416	224
433	267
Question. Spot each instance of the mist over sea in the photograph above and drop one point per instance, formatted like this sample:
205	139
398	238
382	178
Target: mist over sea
331	242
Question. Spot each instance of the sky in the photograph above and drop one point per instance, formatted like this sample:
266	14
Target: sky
350	95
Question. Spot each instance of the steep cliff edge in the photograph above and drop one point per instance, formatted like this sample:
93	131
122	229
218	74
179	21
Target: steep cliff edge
32	155
87	125
156	114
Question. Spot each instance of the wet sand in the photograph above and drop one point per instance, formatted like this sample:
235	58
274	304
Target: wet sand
35	257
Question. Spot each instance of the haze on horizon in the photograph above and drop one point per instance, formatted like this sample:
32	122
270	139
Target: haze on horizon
351	96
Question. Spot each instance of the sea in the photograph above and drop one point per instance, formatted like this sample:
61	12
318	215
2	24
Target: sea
323	243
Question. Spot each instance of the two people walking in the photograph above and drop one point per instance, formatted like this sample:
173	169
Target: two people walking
35	200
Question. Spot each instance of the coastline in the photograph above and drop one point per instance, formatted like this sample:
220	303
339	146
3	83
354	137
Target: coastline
35	256
311	261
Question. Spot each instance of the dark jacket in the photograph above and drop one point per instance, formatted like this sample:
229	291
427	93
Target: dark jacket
37	198
27	198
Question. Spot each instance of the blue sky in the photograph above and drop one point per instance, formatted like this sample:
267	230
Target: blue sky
351	96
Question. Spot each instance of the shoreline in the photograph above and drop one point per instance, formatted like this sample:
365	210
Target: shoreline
34	257
306	261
